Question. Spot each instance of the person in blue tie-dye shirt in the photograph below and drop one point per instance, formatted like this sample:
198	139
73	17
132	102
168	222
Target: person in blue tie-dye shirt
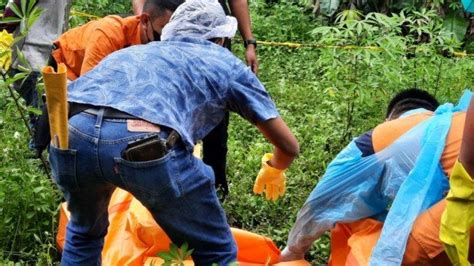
134	121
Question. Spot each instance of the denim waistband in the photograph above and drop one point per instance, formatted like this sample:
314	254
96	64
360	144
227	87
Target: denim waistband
91	126
109	112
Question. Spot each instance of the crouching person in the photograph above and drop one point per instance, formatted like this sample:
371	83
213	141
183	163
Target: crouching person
383	195
134	120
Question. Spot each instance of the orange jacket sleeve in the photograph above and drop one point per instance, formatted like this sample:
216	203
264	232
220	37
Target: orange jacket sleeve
104	41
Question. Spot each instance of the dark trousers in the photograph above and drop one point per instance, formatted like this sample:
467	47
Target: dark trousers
38	124
215	148
27	89
214	151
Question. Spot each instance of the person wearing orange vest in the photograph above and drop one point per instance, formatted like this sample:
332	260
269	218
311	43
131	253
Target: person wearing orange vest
359	195
82	48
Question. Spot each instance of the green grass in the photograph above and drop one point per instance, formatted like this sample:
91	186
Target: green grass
326	96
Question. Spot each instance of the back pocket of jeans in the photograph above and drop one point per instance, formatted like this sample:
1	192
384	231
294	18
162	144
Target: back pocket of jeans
63	167
152	182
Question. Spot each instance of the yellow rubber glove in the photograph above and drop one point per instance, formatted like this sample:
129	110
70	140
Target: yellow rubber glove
458	216
270	180
6	40
56	99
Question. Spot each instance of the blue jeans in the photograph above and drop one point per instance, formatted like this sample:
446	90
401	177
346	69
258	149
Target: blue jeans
177	189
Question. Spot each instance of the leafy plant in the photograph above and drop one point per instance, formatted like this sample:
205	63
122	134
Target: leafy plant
175	256
455	24
28	201
328	90
85	10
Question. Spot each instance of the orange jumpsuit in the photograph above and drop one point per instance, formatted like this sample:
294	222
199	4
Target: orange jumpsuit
352	243
82	48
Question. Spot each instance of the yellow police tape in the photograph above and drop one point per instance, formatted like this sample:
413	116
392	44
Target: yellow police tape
82	14
315	45
460	54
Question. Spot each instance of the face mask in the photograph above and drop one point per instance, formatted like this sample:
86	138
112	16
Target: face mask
156	35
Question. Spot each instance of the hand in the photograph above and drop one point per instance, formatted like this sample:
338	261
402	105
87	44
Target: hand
270	180
458	216
251	58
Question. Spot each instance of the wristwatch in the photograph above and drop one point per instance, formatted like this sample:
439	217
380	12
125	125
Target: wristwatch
250	41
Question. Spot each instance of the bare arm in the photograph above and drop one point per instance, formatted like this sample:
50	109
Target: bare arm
286	146
240	10
466	157
137	6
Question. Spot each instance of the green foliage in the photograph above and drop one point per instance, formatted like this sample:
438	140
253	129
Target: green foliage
175	256
28	199
103	7
450	12
327	93
282	22
455	24
98	8
27	13
330	93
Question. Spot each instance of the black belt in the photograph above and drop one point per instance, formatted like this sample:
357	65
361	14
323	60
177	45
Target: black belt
75	108
110	113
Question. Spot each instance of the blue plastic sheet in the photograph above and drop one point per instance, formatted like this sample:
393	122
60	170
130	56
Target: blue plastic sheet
468	5
356	187
424	186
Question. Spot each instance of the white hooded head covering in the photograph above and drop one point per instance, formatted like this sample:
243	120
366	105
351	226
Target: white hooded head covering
203	19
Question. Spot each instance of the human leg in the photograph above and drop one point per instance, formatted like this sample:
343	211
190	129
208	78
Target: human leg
77	173
424	246
215	153
179	191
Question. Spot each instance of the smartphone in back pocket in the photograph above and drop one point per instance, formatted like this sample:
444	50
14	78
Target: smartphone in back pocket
147	149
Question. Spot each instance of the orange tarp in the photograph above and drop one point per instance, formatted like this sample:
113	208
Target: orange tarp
134	238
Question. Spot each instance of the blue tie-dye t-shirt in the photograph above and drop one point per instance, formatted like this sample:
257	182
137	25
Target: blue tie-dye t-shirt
183	83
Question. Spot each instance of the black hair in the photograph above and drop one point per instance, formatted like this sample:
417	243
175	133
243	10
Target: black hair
156	7
411	99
